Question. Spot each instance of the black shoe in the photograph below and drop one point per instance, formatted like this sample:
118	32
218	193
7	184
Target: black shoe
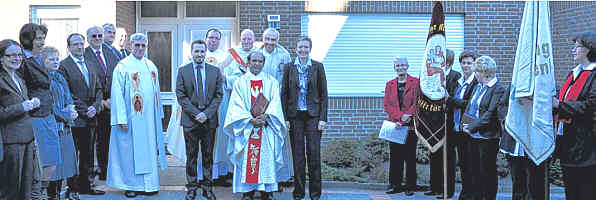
267	195
432	193
149	193
409	192
71	195
315	198
248	195
449	196
191	194
394	190
130	194
93	192
221	182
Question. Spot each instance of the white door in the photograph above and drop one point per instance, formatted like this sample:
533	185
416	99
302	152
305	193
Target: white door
196	28
163	51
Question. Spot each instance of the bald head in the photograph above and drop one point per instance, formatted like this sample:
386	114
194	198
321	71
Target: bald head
248	38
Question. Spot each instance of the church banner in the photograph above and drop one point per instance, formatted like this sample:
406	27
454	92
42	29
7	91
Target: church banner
430	117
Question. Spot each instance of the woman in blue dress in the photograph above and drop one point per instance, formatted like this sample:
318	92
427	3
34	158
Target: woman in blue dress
64	114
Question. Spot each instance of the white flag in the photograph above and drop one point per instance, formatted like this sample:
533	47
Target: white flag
529	118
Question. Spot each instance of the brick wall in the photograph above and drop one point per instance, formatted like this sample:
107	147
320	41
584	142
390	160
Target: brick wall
490	27
253	15
126	16
568	19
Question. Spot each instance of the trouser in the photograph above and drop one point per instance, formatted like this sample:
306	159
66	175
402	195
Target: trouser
206	137
436	168
18	170
102	144
529	181
580	182
304	133
483	166
84	143
462	142
400	153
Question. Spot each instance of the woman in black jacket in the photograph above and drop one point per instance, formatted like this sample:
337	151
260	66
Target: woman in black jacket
576	109
18	167
481	122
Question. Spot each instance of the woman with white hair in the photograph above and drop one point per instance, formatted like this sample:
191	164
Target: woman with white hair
481	122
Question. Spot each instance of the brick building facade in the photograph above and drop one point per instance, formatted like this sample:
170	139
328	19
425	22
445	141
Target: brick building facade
492	28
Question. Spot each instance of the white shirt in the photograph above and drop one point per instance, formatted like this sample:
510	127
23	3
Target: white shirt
103	58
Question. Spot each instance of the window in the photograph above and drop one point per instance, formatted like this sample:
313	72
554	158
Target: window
61	21
159	9
211	9
358	49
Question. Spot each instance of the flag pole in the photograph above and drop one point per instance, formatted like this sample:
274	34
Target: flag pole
445	149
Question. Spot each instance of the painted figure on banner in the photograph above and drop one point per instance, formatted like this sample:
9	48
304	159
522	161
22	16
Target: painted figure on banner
258	138
431	119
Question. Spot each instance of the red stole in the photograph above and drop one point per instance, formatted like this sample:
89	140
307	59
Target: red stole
254	140
237	57
576	88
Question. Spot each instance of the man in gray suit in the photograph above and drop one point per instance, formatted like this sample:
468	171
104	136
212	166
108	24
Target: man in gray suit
198	89
102	60
87	95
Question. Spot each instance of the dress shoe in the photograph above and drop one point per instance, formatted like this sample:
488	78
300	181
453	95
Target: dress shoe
431	193
71	195
149	193
191	194
130	194
267	195
93	192
409	193
394	190
315	198
449	196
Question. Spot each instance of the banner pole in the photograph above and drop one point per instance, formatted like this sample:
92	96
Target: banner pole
445	156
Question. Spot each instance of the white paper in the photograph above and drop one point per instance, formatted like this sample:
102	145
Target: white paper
390	133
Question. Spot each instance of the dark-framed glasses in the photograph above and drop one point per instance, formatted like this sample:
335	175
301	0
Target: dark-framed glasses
14	55
140	45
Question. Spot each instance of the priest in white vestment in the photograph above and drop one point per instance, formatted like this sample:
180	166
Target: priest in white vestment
257	149
136	142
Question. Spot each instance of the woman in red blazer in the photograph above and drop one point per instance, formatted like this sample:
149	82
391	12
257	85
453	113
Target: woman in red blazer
399	102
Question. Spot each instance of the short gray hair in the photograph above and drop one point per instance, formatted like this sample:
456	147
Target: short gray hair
99	28
271	30
485	65
247	31
138	36
401	59
107	26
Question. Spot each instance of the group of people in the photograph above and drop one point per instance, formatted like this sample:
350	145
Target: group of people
480	98
237	111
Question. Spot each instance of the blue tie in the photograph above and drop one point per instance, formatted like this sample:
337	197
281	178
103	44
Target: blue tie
473	109
457	112
84	71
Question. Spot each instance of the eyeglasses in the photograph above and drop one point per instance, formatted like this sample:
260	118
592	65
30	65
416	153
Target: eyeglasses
14	55
140	45
401	65
213	38
97	36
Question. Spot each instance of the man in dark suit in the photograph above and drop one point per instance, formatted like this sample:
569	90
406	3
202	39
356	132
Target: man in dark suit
458	103
120	42
109	36
436	158
87	95
102	60
304	101
198	89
